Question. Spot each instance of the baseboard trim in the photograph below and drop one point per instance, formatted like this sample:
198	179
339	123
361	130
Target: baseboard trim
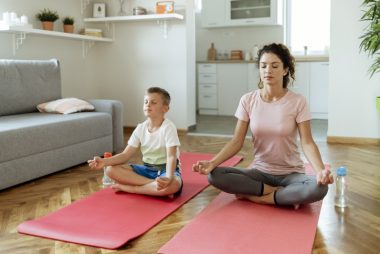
129	129
353	140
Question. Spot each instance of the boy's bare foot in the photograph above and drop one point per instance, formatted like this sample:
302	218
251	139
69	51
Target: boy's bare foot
122	187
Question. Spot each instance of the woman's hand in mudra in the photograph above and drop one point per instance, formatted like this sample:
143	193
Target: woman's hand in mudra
203	167
325	177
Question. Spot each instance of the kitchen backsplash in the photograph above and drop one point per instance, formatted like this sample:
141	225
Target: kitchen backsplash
234	38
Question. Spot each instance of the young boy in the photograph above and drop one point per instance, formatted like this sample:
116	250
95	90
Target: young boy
158	140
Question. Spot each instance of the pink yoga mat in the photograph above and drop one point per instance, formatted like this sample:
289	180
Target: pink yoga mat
109	220
229	225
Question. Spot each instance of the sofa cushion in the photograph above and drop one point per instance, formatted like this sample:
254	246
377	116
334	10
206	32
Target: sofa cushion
27	134
65	106
26	83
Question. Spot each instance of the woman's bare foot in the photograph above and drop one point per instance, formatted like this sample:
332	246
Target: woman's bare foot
239	196
269	189
265	199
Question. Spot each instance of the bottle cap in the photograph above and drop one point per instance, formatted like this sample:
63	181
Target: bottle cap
107	154
341	171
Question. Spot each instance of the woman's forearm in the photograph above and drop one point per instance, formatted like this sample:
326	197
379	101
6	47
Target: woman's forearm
313	155
229	150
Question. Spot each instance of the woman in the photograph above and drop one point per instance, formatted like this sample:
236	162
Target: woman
274	114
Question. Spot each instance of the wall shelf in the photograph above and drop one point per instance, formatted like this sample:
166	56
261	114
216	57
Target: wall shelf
20	32
169	16
162	19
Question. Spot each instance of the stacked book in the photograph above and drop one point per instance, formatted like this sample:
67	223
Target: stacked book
92	32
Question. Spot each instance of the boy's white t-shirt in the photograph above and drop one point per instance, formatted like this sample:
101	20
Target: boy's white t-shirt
153	144
274	130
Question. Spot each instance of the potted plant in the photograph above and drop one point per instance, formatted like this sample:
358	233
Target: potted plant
370	39
47	17
68	24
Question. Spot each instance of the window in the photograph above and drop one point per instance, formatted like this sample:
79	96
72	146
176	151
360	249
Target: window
308	26
198	6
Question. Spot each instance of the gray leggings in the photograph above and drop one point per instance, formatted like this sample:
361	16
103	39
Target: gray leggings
297	188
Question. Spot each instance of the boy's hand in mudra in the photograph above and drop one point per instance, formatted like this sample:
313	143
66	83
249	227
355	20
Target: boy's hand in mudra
96	163
163	182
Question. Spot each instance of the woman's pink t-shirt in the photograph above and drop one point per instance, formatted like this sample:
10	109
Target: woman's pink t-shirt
274	130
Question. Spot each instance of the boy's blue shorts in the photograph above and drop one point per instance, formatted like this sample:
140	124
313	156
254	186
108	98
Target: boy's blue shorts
154	171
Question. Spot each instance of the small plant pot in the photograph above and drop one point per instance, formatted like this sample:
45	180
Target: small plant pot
68	28
48	25
378	103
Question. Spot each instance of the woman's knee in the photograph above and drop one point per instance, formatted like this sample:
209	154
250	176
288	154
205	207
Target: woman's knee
315	194
214	176
322	191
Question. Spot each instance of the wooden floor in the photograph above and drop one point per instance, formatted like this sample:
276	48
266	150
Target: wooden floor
355	230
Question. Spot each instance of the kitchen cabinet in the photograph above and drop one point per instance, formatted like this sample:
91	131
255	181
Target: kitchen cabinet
232	84
207	89
213	13
225	13
253	77
319	81
312	80
301	84
254	12
221	85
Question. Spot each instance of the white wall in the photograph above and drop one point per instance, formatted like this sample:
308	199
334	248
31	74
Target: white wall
140	57
191	58
352	94
75	69
232	38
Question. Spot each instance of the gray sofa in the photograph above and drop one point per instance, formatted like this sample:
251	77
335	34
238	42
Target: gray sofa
34	144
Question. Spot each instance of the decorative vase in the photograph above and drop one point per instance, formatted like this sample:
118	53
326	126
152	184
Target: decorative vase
68	28
121	11
48	25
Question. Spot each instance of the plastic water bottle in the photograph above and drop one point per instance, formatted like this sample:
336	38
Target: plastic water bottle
106	180
341	187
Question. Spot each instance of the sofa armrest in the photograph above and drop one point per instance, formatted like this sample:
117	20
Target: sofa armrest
115	109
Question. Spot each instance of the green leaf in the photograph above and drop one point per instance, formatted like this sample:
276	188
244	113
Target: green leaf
370	40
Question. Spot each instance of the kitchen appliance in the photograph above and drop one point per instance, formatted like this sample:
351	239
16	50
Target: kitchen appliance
139	11
163	7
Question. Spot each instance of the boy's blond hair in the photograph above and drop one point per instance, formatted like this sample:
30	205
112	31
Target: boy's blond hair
164	94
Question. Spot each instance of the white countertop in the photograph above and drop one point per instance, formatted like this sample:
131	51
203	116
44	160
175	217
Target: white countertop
299	58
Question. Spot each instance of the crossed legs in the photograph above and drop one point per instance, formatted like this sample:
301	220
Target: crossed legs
129	181
259	187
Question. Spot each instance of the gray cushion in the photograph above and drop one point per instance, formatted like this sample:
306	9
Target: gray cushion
26	83
26	134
